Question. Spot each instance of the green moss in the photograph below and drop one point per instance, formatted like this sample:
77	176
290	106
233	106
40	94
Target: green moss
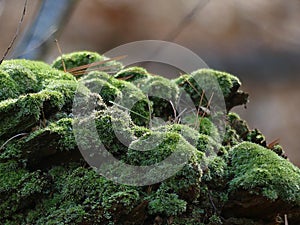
159	150
129	97
132	74
216	175
38	99
63	128
19	189
228	83
162	93
239	125
186	182
96	75
189	134
201	142
27	76
207	127
107	91
19	115
110	124
134	101
9	88
139	131
82	196
76	59
166	204
261	171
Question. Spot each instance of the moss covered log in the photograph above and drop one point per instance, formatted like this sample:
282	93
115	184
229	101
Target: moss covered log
230	178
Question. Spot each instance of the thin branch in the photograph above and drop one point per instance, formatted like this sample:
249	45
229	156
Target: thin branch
123	107
103	68
17	135
61	55
208	105
197	122
186	20
286	222
212	202
16	34
79	68
183	23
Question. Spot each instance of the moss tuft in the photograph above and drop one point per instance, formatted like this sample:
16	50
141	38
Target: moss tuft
132	74
261	171
76	59
228	83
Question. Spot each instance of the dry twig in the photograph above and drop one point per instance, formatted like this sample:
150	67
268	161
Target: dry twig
16	34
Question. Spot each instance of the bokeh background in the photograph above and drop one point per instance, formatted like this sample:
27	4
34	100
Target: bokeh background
258	41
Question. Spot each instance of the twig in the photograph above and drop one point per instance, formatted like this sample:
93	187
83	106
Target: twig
123	107
149	110
286	220
185	21
212	202
174	110
61	55
208	105
103	68
79	68
16	34
197	122
17	135
273	143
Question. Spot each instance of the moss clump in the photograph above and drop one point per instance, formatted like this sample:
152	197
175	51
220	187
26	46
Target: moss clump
82	196
76	59
22	114
108	92
228	83
19	190
8	87
262	172
122	94
166	204
161	146
22	76
110	125
163	94
132	74
45	179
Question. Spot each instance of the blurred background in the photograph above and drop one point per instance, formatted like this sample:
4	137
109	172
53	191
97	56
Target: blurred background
258	41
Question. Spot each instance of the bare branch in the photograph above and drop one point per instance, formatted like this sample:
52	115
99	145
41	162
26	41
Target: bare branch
185	21
17	135
16	34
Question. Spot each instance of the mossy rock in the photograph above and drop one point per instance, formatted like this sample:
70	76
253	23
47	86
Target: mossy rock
235	178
